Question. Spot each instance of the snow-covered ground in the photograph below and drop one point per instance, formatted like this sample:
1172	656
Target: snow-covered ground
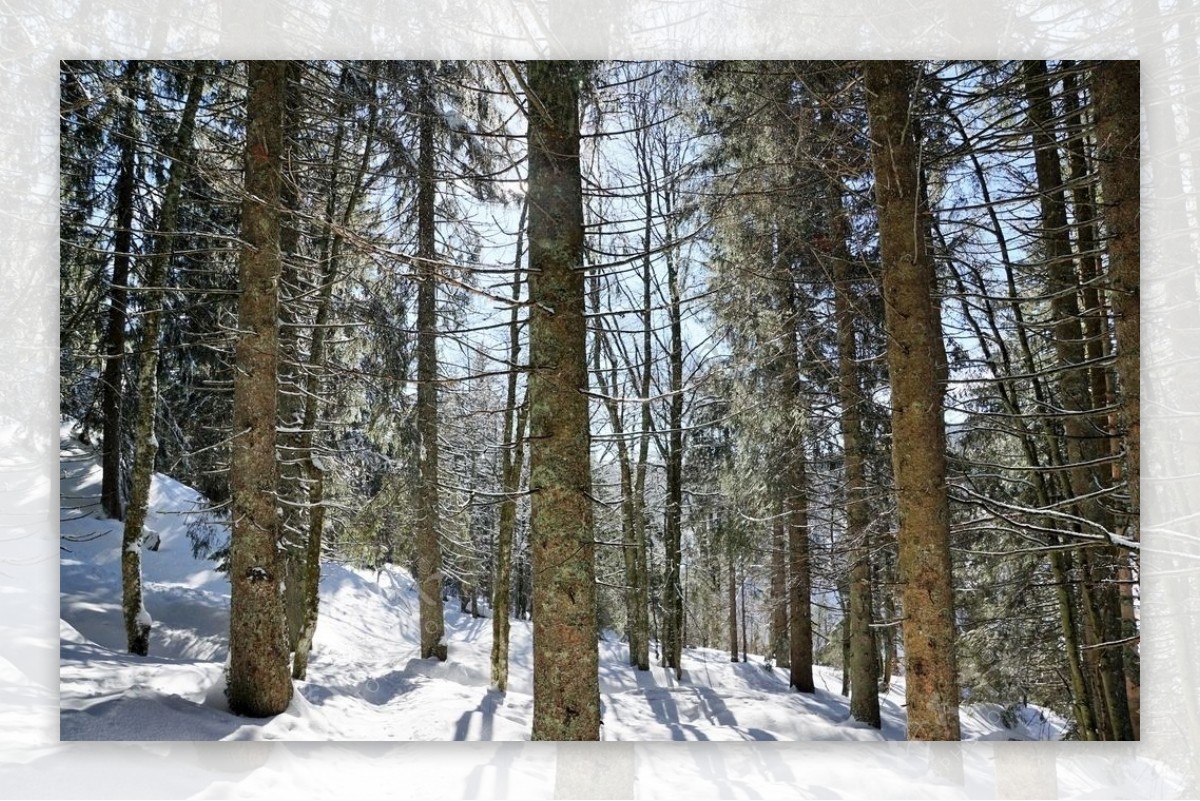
365	681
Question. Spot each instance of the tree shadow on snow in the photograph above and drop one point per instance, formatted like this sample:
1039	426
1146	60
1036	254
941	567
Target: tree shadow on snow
487	717
698	703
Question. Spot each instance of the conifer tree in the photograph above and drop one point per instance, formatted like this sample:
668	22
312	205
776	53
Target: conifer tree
918	428
566	697
259	681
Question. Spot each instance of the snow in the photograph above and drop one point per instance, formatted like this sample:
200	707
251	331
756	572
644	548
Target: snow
365	680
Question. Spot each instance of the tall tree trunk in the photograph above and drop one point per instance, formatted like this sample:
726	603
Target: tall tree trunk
137	620
800	630
566	696
1103	623
1082	447
918	428
641	621
641	541
673	524
118	295
512	463
259	682
864	657
429	546
629	544
800	634
1116	96
844	627
1093	313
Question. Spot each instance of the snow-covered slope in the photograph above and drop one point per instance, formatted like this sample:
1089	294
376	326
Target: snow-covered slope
365	680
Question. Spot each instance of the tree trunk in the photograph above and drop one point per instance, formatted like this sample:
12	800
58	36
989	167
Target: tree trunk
1116	96
137	621
733	605
512	463
1083	449
641	543
864	657
259	683
799	633
118	294
745	624
673	524
887	609
1103	625
844	626
566	697
311	576
780	648
918	428
429	546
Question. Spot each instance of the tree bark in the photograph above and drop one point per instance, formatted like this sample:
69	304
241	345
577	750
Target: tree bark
566	698
429	546
259	683
745	623
1116	98
918	427
1117	113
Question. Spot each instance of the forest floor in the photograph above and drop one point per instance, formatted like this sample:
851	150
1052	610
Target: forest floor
365	681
